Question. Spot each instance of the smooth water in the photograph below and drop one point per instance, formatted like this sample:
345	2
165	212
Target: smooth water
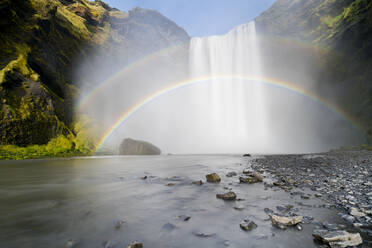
45	203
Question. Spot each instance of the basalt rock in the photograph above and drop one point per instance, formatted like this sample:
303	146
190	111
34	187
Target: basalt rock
135	245
248	225
249	179
213	178
230	196
138	147
338	238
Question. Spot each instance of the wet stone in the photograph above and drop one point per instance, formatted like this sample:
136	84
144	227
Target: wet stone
307	219
338	238
213	178
248	179
284	209
248	225
184	217
231	174
356	212
135	245
258	176
284	222
230	196
329	226
204	235
299	227
200	182
268	211
305	197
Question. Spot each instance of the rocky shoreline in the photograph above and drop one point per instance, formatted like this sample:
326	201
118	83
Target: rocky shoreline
343	179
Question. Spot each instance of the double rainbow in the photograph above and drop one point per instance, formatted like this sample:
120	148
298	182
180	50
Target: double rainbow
242	78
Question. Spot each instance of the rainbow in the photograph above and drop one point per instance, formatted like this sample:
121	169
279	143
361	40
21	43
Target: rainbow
136	64
265	80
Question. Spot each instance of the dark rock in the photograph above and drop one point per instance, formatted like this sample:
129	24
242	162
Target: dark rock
231	174
204	235
248	225
135	245
184	217
213	178
248	179
230	196
200	182
137	147
247	155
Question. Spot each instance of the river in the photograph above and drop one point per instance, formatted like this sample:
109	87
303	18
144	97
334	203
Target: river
45	203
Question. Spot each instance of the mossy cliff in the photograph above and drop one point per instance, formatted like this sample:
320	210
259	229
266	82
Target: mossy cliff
340	34
42	44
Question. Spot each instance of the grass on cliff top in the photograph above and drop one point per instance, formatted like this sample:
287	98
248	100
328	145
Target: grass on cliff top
81	142
57	147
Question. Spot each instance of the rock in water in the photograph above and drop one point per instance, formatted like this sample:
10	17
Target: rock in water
283	222
135	245
230	196
231	174
200	182
338	238
138	147
258	176
213	178
249	179
248	225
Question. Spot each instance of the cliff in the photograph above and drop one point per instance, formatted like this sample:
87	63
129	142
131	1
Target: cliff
43	43
339	34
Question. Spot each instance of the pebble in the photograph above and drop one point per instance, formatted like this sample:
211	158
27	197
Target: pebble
135	244
230	196
248	225
231	174
200	182
213	178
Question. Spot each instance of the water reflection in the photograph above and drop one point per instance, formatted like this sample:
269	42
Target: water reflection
45	203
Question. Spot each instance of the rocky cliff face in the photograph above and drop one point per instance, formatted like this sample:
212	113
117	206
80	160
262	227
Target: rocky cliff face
339	34
42	44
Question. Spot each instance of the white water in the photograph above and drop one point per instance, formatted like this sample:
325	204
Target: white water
222	115
234	109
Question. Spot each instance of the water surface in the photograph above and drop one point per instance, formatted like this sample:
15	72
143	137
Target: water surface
44	203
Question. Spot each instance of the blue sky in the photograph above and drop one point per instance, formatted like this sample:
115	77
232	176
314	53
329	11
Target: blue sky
201	17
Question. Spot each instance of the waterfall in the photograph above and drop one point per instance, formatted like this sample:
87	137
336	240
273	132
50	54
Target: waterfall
232	109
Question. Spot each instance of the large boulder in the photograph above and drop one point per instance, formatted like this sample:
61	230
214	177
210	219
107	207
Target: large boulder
138	147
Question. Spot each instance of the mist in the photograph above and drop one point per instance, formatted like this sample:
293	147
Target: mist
221	114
